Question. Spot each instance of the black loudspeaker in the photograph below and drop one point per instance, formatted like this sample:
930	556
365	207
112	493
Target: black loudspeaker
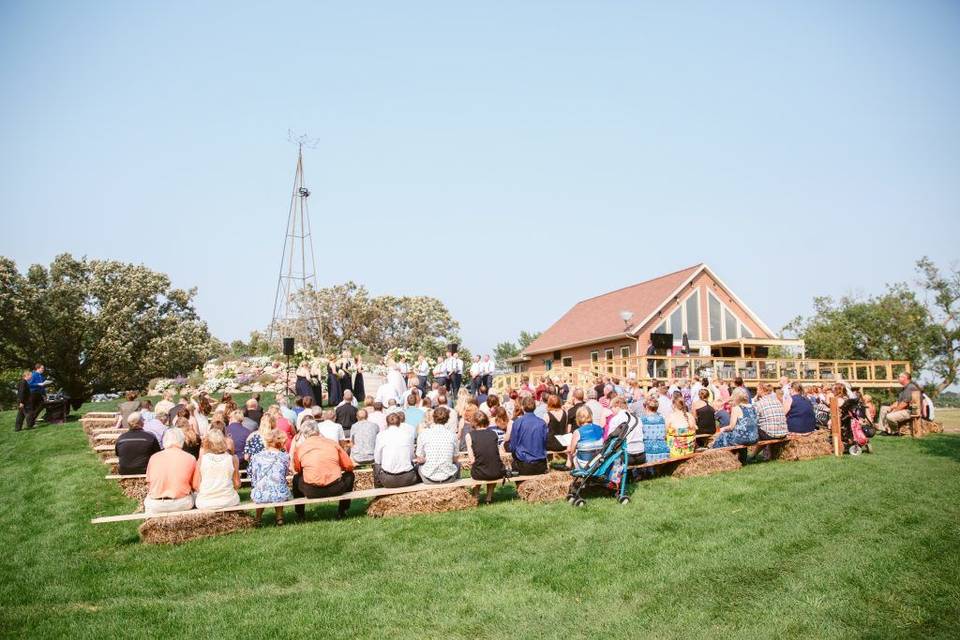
453	347
288	346
662	341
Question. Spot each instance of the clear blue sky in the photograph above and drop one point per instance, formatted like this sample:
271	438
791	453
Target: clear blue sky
567	148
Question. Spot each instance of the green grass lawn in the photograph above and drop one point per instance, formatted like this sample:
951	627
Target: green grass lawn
860	547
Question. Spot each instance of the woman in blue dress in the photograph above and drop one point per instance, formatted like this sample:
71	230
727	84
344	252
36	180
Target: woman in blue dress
268	474
743	423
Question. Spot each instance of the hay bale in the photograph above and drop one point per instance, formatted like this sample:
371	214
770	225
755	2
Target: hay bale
924	427
363	479
435	501
707	464
548	488
136	488
815	445
177	529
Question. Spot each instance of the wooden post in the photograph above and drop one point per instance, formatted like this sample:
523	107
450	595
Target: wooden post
916	412
835	426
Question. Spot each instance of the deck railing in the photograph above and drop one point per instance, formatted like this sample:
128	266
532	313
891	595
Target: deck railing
865	373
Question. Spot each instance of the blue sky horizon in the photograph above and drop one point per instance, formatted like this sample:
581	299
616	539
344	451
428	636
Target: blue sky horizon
510	159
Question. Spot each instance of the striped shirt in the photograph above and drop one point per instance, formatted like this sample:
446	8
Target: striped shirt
770	416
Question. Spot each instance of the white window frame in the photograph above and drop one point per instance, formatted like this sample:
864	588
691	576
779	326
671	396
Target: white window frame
566	361
627	354
668	326
594	356
723	321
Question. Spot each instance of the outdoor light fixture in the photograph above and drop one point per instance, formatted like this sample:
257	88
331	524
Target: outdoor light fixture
626	316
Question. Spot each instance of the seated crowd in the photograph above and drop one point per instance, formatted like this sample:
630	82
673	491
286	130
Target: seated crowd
193	451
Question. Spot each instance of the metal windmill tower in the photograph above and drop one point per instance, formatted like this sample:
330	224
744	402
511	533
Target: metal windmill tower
298	266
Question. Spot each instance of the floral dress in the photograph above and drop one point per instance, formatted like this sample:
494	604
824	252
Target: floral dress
745	432
268	476
655	437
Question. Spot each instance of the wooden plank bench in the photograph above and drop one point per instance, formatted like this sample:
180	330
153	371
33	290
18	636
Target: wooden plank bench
466	483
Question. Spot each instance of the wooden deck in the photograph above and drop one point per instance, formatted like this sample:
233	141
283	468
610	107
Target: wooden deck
870	374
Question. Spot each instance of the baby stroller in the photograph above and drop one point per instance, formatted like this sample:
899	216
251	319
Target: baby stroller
608	468
855	428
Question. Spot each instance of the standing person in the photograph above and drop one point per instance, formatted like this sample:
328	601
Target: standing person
483	452
134	447
268	474
456	374
359	387
322	468
23	400
440	373
216	477
527	440
475	375
487	367
423	373
38	389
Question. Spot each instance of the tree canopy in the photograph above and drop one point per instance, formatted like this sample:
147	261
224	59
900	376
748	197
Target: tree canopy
98	325
899	324
346	316
507	349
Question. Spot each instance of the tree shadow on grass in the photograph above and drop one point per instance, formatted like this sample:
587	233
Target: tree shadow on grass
947	446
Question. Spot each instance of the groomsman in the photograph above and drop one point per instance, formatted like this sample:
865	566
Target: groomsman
423	372
486	372
476	375
440	373
454	373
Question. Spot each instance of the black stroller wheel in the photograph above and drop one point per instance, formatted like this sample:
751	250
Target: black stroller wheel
624	500
579	502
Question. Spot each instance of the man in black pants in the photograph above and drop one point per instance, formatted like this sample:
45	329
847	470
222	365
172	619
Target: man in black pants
322	469
38	389
23	400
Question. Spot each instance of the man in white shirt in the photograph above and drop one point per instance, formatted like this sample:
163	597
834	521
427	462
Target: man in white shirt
386	393
595	407
664	402
423	372
376	415
440	373
487	367
393	455
330	429
455	371
475	377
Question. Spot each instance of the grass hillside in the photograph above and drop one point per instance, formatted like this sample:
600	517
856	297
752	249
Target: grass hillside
863	547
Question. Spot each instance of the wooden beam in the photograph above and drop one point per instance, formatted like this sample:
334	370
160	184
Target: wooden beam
465	483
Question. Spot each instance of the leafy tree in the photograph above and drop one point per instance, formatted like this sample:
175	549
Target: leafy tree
345	315
503	351
258	345
892	326
98	325
944	310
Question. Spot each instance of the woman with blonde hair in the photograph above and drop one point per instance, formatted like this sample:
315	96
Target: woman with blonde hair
681	429
217	476
743	422
191	439
257	441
